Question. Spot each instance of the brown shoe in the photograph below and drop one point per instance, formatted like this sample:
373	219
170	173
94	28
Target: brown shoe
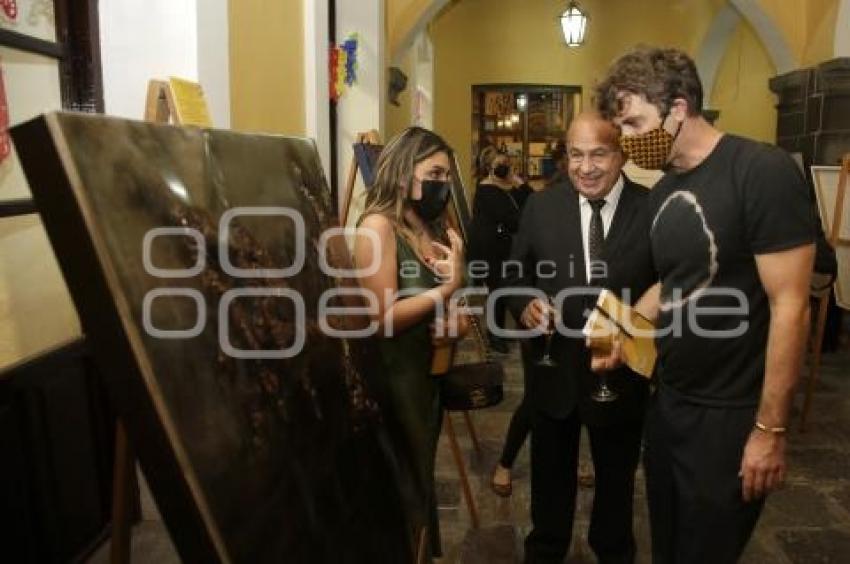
500	488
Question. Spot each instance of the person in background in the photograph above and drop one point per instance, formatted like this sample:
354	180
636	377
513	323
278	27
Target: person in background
559	161
420	266
499	198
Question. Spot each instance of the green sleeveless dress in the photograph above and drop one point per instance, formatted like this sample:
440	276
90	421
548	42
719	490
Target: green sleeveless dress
415	396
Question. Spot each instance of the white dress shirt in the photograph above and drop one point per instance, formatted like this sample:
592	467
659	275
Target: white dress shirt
607	213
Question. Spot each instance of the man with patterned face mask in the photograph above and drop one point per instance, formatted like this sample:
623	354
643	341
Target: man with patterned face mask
731	238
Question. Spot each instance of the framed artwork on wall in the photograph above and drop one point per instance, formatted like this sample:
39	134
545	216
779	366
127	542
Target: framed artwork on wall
828	187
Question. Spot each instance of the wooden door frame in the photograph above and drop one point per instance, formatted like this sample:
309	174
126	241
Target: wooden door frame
77	50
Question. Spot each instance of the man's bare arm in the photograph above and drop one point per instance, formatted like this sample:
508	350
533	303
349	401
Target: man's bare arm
650	303
786	277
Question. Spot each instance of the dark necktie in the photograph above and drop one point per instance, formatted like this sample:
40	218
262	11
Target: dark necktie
596	239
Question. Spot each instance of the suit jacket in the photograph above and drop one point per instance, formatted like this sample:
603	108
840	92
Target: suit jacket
550	230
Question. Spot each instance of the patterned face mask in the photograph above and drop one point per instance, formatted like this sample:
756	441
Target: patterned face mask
650	150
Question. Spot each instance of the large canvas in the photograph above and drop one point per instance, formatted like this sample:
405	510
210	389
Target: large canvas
197	264
826	190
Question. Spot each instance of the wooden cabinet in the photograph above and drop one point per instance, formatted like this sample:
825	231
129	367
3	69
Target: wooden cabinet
56	437
813	111
524	121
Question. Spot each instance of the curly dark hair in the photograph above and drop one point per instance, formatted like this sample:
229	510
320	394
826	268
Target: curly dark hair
662	75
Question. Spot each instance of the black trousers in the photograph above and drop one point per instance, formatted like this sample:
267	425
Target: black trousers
692	457
518	430
554	467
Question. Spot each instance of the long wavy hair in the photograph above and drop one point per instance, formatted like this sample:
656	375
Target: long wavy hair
485	162
394	177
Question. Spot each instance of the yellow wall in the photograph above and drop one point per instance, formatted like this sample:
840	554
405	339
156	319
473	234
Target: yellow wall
267	66
807	25
820	31
401	17
492	41
399	117
36	312
740	90
790	17
480	41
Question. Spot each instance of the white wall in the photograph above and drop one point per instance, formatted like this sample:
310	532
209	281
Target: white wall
361	108
214	58
141	40
842	30
316	91
144	40
421	84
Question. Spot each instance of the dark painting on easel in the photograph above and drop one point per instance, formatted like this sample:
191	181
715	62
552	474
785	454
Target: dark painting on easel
367	155
196	261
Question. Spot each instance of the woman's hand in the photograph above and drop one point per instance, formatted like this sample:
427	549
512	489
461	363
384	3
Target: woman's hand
450	267
453	327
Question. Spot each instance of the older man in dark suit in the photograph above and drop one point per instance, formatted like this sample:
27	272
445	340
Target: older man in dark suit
585	233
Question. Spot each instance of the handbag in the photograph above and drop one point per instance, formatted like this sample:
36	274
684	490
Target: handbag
476	385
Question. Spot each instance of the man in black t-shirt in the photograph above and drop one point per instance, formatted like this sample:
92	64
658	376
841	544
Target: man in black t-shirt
731	237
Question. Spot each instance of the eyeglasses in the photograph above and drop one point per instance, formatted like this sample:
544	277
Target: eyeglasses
597	157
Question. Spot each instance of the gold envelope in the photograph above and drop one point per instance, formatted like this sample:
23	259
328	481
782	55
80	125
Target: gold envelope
612	319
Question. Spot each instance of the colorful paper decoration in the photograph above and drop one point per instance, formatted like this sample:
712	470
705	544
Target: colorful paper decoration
5	140
10	8
343	66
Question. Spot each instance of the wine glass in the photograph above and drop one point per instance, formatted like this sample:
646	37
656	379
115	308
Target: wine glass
603	393
546	359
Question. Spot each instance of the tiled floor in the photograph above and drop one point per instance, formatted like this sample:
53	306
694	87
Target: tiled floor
807	522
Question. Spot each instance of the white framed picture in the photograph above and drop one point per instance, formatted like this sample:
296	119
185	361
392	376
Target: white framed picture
826	181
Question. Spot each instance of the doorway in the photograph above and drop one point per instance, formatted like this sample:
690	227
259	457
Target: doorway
527	122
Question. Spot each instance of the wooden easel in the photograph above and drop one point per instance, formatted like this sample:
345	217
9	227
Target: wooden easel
124	484
372	137
176	101
836	241
160	107
159	104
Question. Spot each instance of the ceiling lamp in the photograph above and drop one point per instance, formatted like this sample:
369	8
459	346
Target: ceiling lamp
573	24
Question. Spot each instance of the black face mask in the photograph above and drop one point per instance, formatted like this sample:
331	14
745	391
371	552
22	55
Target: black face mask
502	171
435	197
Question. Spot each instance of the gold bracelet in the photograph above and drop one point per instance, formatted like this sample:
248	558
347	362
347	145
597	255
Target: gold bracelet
774	430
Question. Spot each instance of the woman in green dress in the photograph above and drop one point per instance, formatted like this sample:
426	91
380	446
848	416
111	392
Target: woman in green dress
413	265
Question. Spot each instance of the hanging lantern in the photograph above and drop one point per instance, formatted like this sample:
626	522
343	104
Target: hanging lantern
573	25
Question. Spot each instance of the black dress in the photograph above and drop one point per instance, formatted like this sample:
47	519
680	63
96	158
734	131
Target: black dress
495	219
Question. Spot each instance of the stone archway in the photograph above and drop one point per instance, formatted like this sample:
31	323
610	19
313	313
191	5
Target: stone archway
722	29
770	35
714	45
411	22
842	31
